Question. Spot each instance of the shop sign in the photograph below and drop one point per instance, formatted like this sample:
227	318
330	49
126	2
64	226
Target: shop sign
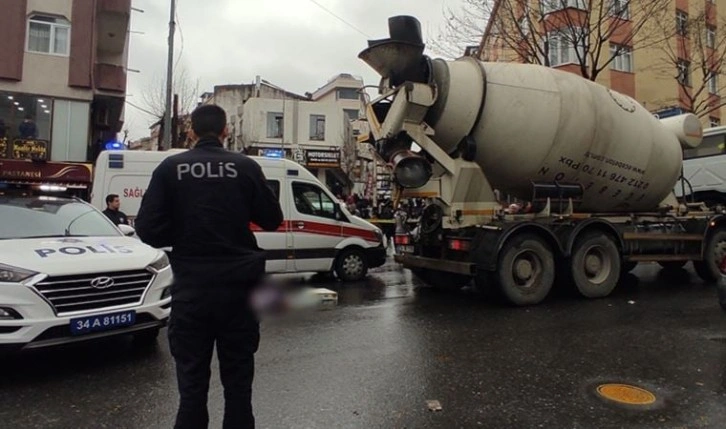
63	172
322	158
30	149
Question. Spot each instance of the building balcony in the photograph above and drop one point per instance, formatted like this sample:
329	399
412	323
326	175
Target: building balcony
112	25
109	77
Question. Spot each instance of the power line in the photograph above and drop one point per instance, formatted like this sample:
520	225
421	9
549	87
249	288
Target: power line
142	109
340	19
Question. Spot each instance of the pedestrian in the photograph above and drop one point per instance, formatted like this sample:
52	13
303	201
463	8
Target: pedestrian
201	203
28	129
113	204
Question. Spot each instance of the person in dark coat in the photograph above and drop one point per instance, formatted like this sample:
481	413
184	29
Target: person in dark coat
201	203
113	204
28	129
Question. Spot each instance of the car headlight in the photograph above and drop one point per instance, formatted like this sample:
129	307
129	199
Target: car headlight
14	274
160	263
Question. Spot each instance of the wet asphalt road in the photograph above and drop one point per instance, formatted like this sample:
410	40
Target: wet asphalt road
390	346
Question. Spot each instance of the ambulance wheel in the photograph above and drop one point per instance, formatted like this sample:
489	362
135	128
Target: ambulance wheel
526	270
146	338
708	269
595	265
351	265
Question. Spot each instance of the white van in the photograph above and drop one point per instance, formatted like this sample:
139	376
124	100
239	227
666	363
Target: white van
704	168
318	235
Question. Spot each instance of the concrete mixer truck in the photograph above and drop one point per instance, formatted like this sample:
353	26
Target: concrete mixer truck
596	168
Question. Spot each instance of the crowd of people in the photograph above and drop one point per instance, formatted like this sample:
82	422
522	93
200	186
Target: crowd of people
384	207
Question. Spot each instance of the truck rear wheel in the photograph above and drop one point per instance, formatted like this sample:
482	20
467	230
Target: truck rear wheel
526	270
707	269
595	265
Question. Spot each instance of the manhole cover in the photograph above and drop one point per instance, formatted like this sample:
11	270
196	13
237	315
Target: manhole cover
626	394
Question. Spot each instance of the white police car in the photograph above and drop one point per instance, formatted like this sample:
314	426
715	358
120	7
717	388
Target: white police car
67	274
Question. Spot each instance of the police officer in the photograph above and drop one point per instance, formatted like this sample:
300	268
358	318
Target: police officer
200	203
113	204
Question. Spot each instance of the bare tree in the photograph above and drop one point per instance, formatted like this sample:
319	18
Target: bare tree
154	95
694	57
590	34
463	27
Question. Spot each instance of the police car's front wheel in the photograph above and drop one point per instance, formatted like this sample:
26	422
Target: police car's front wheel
351	265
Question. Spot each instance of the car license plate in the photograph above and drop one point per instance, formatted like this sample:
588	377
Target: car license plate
404	249
102	322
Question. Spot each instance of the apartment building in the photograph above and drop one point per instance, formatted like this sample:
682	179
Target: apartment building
62	85
666	54
345	90
315	134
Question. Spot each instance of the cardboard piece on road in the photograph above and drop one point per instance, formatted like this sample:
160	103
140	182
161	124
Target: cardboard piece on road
434	405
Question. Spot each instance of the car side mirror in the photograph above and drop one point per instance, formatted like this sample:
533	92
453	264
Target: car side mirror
127	230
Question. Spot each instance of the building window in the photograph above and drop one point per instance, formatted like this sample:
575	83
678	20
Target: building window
25	126
351	114
524	24
713	82
681	22
347	94
562	47
714	122
619	8
317	127
549	6
684	72
622	58
710	36
48	35
275	125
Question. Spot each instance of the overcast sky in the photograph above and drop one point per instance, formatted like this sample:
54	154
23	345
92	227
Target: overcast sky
292	43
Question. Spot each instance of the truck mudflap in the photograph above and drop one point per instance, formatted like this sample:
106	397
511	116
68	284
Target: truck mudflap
411	261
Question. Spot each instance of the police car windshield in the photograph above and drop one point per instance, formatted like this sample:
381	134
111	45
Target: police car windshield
36	217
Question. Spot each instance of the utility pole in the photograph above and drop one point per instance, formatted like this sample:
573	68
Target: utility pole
166	141
175	123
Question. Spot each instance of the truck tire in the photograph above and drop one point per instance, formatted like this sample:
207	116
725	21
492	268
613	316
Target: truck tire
351	265
526	270
707	269
672	265
595	265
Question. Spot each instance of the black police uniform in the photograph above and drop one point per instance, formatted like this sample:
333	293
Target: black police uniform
201	203
117	217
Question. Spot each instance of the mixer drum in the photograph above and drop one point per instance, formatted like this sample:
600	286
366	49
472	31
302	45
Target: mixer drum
539	124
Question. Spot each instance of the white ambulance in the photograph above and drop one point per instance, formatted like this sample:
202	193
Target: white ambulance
67	274
319	234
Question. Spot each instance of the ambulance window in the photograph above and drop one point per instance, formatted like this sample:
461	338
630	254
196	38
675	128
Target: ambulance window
711	145
275	186
311	200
